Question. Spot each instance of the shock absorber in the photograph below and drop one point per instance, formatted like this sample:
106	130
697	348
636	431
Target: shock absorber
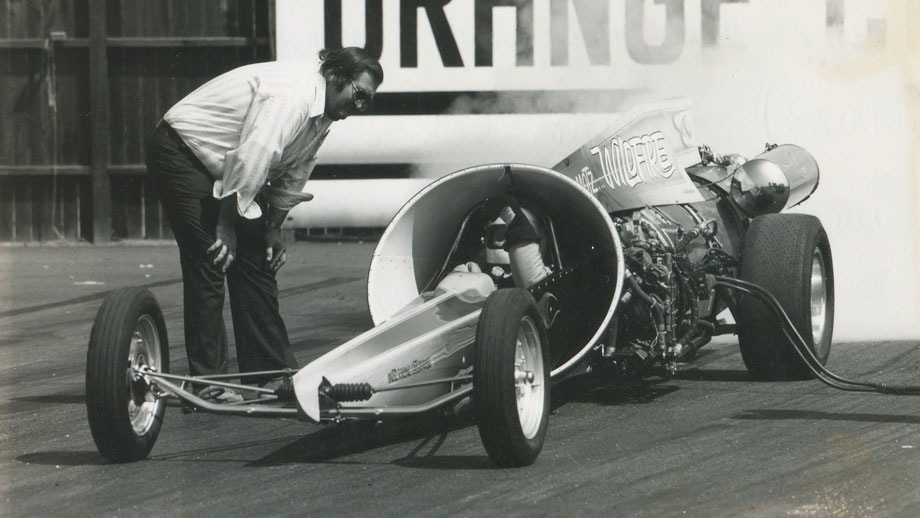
342	392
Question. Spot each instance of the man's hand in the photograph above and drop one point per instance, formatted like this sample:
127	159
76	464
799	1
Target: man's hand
275	255
223	251
274	249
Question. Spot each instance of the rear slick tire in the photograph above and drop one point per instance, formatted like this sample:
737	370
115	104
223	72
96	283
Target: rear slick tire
511	378
124	414
790	256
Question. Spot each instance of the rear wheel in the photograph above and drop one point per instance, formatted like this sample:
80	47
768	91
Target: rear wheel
511	378
124	414
790	256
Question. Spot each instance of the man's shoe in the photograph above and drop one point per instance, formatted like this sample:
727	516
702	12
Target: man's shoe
216	394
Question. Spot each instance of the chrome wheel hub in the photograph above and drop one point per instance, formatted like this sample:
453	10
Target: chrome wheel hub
529	382
144	351
818	299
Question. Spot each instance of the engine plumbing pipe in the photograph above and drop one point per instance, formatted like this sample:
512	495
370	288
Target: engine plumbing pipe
653	302
527	266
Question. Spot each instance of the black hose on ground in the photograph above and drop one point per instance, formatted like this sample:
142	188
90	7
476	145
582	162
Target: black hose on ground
801	347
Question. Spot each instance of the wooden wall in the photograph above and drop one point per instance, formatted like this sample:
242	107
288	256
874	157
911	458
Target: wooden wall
155	52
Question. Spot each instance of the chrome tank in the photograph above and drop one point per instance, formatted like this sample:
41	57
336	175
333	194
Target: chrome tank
419	239
775	180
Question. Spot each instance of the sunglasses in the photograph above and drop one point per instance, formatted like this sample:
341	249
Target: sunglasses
361	98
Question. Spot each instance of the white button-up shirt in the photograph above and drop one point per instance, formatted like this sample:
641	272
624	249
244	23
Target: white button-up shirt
257	128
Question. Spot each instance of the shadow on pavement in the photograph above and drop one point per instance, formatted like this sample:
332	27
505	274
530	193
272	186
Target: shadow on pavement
60	399
447	462
63	458
588	389
18	405
342	440
714	375
78	300
777	415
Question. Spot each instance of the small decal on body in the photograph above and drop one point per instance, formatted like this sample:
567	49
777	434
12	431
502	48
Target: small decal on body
412	369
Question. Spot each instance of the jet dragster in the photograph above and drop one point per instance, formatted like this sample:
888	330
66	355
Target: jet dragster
495	281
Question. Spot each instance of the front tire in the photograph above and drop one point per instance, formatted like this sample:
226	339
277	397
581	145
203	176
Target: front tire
790	256
511	378
124	414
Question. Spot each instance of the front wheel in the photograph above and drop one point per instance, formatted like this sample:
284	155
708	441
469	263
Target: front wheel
511	378
124	413
790	256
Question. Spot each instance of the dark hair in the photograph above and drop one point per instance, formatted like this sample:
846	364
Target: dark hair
342	65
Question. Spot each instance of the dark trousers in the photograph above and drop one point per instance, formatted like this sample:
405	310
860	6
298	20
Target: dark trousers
184	187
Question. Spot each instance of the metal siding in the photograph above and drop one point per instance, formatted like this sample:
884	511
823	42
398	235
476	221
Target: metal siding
113	13
7	209
5	18
7	94
40	135
73	100
127	207
119	109
127	18
22	209
41	211
68	213
143	81
147	112
22	19
151	211
86	224
177	17
27	103
32	19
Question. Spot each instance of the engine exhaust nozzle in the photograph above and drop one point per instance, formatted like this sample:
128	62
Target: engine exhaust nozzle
777	179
